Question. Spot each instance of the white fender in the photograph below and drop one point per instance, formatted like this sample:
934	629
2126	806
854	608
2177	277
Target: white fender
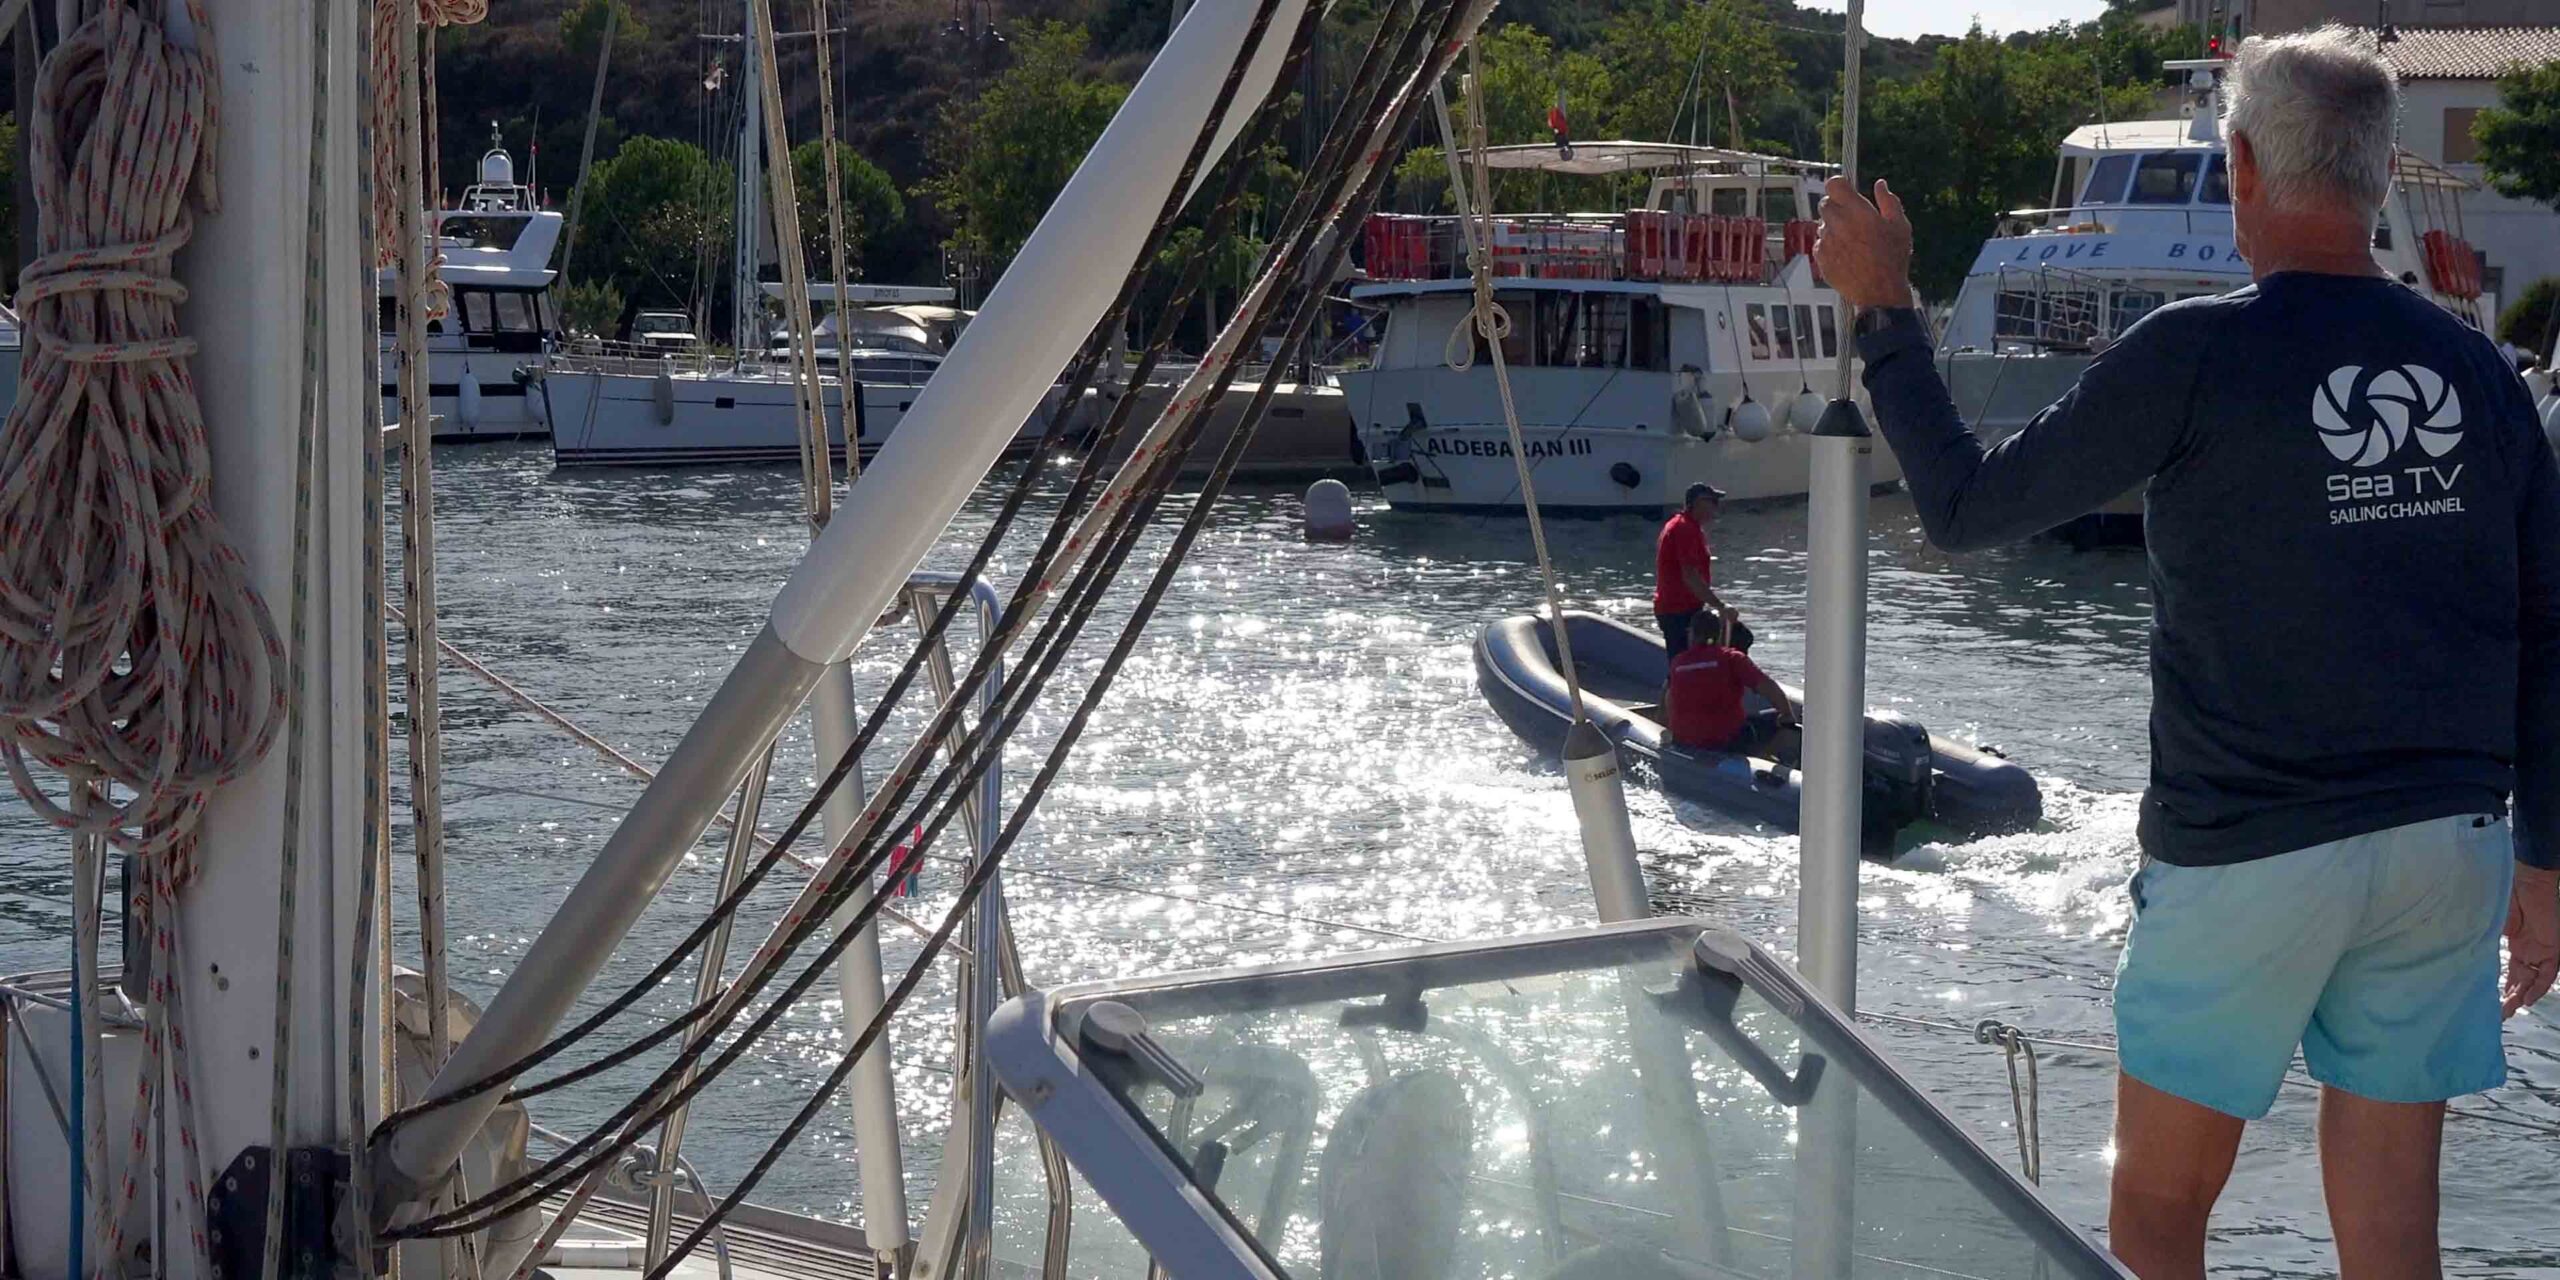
1806	413
663	391
466	401
1749	420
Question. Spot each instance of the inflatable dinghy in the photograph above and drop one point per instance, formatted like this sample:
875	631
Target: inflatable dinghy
1911	777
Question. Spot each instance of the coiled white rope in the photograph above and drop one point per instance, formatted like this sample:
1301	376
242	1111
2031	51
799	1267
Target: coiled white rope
135	656
131	641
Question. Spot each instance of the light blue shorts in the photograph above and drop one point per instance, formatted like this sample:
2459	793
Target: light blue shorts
2377	954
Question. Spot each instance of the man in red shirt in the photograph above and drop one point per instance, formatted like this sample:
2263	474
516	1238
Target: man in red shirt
1703	707
1684	573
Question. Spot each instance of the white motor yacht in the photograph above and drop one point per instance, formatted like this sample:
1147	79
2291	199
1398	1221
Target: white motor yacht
2142	218
497	251
1688	340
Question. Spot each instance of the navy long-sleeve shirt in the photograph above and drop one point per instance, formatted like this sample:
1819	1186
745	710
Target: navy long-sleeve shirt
2354	530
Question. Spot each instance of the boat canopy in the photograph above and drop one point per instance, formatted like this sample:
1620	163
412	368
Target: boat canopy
1602	159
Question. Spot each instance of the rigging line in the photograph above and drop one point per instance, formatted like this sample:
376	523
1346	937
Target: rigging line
375	853
1127	525
820	19
1493	324
308	442
1168	468
1176	197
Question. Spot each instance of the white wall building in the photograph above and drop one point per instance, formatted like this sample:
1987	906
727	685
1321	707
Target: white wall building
2447	74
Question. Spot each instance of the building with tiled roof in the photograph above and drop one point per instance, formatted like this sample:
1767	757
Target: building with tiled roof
2449	54
2470	53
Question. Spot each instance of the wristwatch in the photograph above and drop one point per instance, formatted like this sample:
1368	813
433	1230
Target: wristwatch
1875	320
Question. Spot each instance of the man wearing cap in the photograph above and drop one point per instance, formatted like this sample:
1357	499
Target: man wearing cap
1684	572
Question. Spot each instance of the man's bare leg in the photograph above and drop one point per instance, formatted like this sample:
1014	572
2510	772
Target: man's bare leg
2172	1157
2378	1164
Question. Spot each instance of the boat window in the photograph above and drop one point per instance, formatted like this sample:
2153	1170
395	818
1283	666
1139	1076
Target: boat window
2217	183
483	231
2132	305
1759	319
2107	179
475	312
1648	333
1783	328
2382	232
1830	333
515	313
1596	1104
1804	330
2166	178
391	315
1778	204
1728	202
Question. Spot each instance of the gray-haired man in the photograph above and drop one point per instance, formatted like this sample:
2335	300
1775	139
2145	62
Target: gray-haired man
2354	526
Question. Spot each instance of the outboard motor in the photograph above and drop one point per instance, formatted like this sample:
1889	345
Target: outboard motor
1898	767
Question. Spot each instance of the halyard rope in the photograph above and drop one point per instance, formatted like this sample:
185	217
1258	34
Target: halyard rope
310	445
1495	325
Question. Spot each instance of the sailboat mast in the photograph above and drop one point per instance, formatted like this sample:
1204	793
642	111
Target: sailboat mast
746	302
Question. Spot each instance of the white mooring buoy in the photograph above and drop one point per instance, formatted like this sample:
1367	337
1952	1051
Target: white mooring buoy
1328	511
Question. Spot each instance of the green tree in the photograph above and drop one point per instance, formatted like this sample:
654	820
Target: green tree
2533	318
1523	74
591	306
1002	155
655	209
2520	137
1704	68
582	25
872	205
1975	136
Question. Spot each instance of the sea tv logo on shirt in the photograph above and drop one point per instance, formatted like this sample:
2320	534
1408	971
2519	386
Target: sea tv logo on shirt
2365	419
2363	425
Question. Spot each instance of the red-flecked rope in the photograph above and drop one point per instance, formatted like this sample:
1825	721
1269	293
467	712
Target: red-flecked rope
131	640
391	220
133	648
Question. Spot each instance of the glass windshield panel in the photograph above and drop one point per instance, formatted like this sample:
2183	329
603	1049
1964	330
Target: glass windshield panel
2107	179
484	231
2169	178
2217	183
515	313
1778	205
475	312
1729	202
1602	1107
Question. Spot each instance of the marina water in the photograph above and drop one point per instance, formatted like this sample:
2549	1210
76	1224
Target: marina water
1296	762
